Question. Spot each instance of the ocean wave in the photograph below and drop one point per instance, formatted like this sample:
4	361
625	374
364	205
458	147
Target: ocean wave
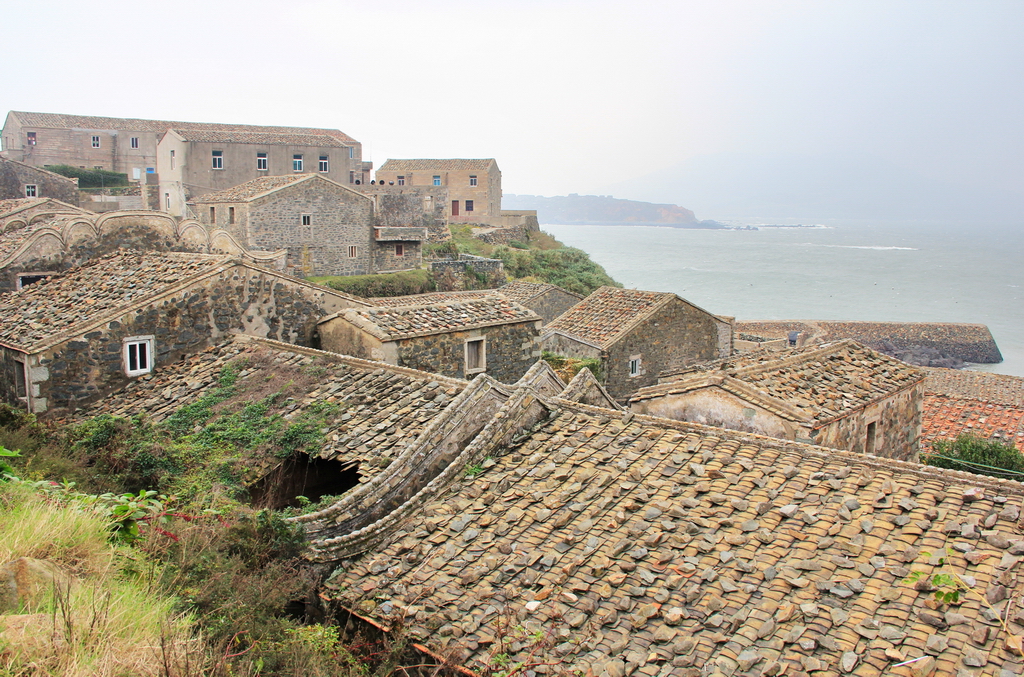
855	246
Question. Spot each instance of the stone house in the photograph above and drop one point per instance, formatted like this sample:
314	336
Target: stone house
327	228
842	395
474	186
194	162
130	146
44	237
461	338
547	300
20	180
411	206
76	336
637	335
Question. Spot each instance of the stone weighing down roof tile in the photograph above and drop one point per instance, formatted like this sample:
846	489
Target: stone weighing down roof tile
947	417
7	206
524	292
382	406
42	313
644	547
62	121
975	385
251	189
401	322
12	238
264	138
607	314
823	381
430	298
449	164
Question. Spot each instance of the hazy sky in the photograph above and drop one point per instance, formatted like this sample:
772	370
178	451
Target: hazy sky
718	106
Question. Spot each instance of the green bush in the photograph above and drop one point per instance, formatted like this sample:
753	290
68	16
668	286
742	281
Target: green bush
568	267
90	178
385	284
977	455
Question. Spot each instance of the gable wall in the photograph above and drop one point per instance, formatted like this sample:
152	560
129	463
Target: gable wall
14	177
898	427
717	407
552	303
511	349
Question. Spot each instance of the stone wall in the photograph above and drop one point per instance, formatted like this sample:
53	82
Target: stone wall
385	259
9	373
502	236
898	427
416	206
468	272
510	351
14	176
552	303
238	300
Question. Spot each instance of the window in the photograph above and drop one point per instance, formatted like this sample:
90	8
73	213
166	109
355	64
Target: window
218	159
351	152
469	205
437	180
30	190
325	164
134	142
353	251
472	180
476	357
213	215
262	164
31	278
172	159
872	441
401	180
138	355
167	201
399	249
20	380
95	142
297	163
231	214
455	207
307	219
634	365
31	140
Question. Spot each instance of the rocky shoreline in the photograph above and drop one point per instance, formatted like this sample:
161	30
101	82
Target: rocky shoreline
929	344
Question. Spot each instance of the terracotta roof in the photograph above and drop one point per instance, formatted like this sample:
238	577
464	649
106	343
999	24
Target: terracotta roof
822	381
381	406
607	314
947	417
523	292
62	121
638	546
259	138
392	323
977	385
430	298
441	165
40	314
250	189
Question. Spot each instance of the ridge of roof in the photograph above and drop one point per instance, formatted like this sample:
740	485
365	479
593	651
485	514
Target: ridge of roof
393	323
438	164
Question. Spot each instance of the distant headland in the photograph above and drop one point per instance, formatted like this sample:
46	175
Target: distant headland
605	210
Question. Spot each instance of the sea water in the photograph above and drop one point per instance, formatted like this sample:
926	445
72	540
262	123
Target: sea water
835	272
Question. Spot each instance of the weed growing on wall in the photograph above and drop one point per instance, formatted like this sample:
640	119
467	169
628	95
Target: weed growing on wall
568	367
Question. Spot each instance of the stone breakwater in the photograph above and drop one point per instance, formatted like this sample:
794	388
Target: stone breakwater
934	342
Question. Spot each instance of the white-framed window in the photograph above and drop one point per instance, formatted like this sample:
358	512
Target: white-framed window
401	180
95	142
476	355
31	190
399	249
635	365
353	251
20	380
307	219
472	180
437	180
138	355
172	159
30	138
262	163
325	163
469	205
218	159
297	162
134	143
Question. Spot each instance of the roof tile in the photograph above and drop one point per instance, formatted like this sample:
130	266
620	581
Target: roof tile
607	314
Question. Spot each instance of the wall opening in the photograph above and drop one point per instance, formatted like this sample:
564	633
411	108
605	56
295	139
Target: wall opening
300	475
869	446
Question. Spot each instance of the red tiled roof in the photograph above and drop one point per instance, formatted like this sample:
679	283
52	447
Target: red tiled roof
977	385
947	417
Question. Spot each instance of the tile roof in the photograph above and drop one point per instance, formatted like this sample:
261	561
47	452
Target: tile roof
977	385
42	313
392	323
12	239
251	189
638	546
608	313
440	165
62	121
523	292
824	382
382	407
17	204
947	417
260	138
430	297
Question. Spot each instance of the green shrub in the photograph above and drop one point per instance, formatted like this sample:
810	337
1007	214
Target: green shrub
568	267
385	284
567	367
90	178
977	455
